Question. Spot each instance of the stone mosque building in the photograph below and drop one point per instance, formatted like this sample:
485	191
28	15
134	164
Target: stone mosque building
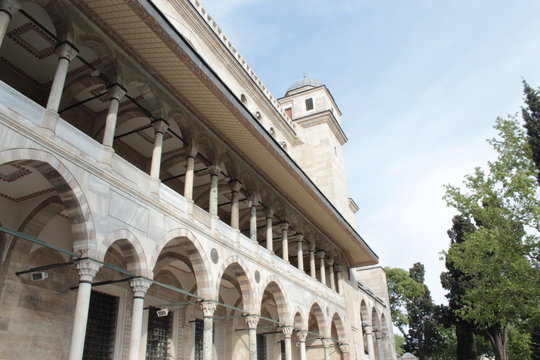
158	202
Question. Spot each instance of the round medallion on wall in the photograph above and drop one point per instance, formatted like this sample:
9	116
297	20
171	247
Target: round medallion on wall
257	276
214	255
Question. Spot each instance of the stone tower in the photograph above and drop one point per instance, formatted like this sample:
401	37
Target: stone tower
311	106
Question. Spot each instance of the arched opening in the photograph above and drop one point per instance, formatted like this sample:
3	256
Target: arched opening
338	336
274	312
316	332
364	321
377	338
386	337
298	326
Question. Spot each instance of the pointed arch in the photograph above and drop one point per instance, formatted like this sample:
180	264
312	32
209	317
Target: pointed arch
131	249
245	281
274	287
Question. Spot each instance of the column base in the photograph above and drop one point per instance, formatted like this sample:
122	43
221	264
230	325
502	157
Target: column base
154	186
107	154
214	223
49	122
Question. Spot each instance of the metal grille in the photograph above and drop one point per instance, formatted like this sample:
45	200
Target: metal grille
282	346
159	335
309	104
199	328
261	347
101	327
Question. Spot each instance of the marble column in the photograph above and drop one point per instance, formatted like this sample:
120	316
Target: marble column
7	9
322	270
312	267
116	93
299	251
253	220
87	271
368	330
331	274
214	171
287	333
339	275
190	172
346	355
269	234
379	343
326	348
65	52
285	242
235	187
302	335
140	287
252	322
208	309
160	127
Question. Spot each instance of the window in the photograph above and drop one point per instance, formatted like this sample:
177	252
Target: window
101	327
261	347
199	328
309	104
282	348
159	335
288	111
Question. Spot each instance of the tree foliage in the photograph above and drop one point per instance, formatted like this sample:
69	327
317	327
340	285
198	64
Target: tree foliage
500	257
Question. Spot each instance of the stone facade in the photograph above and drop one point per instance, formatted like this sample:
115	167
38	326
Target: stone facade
157	202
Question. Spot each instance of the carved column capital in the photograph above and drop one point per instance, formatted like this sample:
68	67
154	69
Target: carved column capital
140	286
160	126
344	348
302	335
116	91
208	308
312	246
327	342
235	186
338	268
66	50
269	213
10	6
214	170
330	261
320	254
368	329
287	330
87	270
252	321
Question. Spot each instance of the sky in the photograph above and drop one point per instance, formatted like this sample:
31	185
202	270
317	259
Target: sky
419	83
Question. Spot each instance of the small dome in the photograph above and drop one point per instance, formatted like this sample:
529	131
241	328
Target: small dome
304	82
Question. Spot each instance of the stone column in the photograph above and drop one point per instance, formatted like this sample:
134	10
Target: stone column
287	333
253	220
299	251
302	335
326	348
331	274
252	322
140	287
322	270
190	172
312	267
208	309
65	52
214	171
379	342
87	271
285	242
7	9
269	235
369	339
116	92
339	275
160	127
235	187
345	351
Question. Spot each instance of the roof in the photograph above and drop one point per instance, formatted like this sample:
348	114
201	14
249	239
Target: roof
305	81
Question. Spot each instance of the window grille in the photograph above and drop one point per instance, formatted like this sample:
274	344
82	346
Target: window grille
309	104
282	346
199	328
261	347
101	327
159	335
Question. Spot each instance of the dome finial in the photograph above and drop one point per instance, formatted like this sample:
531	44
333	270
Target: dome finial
305	75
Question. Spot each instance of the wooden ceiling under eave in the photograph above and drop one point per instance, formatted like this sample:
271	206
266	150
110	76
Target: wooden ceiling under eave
139	28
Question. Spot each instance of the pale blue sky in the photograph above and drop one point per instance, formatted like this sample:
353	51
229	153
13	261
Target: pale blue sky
419	83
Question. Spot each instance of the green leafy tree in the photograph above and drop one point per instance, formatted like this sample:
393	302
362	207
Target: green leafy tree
456	282
500	257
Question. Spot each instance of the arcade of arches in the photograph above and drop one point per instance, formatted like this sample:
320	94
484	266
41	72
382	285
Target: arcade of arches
130	229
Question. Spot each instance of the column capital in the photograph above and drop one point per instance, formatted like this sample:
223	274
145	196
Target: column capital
320	254
269	213
66	50
368	329
338	268
252	321
344	348
10	6
208	308
302	335
87	270
327	342
139	286
160	126
378	334
299	237
287	330
312	246
330	261
235	185
214	170
116	91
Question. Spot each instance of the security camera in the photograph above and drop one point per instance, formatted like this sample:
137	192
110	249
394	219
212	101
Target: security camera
162	312
37	276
